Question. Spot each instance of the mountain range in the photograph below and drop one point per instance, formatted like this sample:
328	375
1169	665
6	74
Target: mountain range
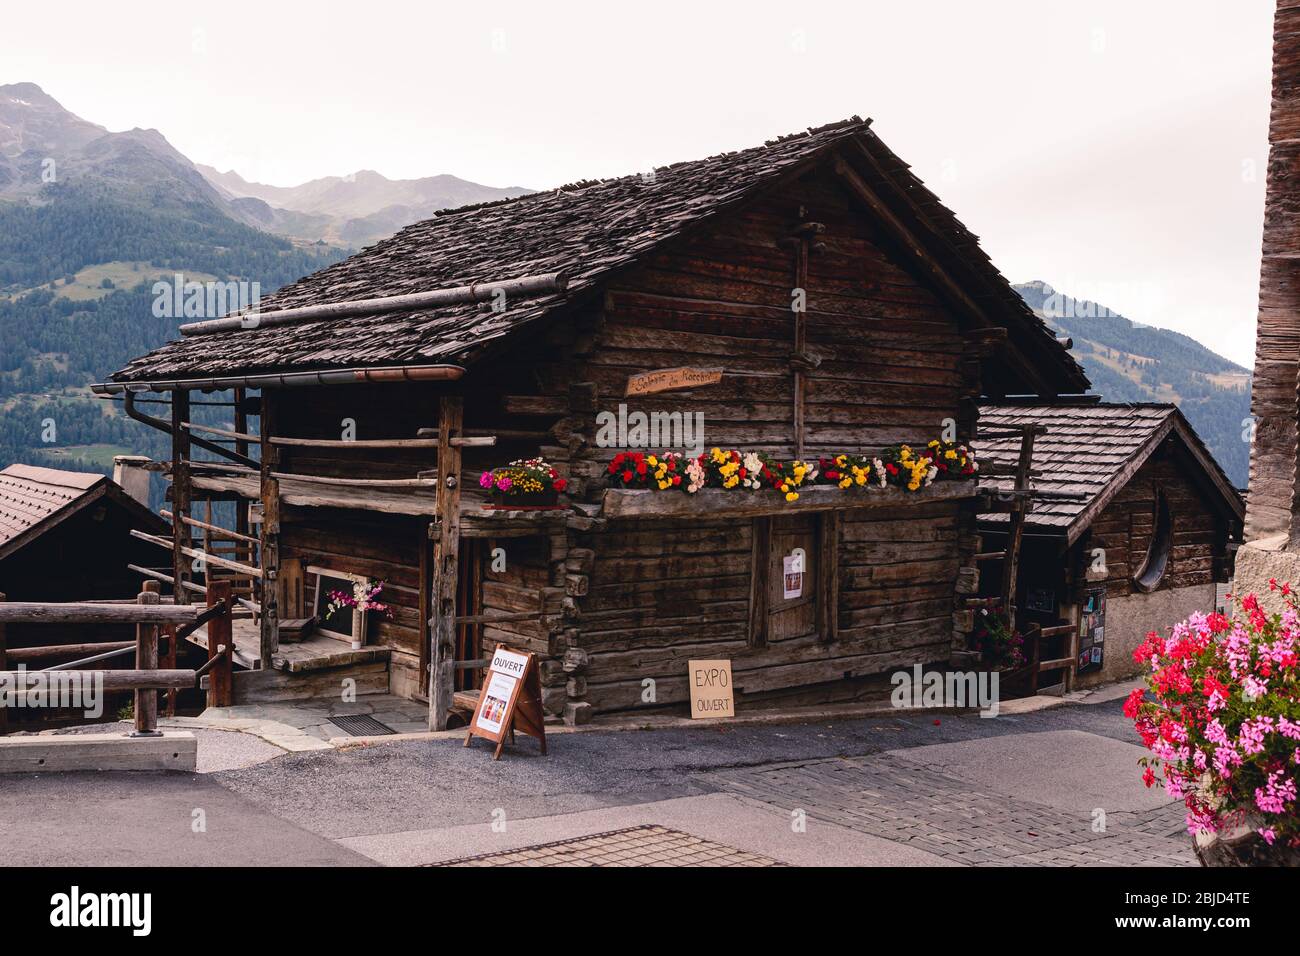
43	144
1130	362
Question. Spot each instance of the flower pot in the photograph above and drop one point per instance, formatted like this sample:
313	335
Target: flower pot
535	499
358	631
1242	846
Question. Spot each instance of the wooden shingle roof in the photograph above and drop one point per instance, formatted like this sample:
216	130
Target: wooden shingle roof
1092	450
588	231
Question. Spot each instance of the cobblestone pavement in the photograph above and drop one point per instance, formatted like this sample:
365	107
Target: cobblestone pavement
633	846
898	800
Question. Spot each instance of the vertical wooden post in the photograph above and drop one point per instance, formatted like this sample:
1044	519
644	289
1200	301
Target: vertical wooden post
181	495
270	563
243	551
146	659
221	635
446	563
4	666
800	343
167	661
1016	526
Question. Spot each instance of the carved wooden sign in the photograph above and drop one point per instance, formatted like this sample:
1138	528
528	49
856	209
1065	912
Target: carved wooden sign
671	380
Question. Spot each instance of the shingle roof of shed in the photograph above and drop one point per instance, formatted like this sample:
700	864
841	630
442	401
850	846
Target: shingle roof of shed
30	495
1089	449
586	230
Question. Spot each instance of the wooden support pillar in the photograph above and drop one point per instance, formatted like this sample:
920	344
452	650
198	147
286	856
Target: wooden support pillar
1016	526
446	563
146	659
181	496
270	563
221	692
4	666
800	361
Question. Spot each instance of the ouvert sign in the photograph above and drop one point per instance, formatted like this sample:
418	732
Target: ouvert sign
712	693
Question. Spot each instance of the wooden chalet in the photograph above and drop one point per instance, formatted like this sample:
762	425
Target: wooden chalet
1134	527
362	421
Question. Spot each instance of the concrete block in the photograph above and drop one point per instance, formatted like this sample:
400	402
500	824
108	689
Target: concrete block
174	750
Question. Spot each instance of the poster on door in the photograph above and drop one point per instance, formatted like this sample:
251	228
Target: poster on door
792	569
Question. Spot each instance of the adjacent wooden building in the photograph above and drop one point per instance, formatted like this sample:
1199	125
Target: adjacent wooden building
842	307
1139	527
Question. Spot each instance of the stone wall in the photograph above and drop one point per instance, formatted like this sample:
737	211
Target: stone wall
1130	617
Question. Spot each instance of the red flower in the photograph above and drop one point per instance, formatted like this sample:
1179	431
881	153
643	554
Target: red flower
891	468
560	484
1148	776
1133	702
640	468
677	480
627	477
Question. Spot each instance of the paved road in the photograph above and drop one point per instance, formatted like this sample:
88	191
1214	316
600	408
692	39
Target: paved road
915	789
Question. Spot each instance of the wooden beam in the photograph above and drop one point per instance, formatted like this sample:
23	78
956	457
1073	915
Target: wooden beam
269	492
25	655
637	503
217	530
182	494
4	664
203	556
152	680
369	443
221	688
222	432
26	612
446	563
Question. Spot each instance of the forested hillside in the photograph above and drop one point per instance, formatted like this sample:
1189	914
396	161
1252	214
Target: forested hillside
1129	362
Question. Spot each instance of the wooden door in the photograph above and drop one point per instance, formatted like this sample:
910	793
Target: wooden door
792	594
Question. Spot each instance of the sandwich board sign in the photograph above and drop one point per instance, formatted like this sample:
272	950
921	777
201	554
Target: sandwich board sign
712	694
511	699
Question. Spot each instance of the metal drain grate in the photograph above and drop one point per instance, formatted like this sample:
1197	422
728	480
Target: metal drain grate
360	725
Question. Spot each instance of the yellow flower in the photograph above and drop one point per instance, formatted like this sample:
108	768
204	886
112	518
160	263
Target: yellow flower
652	461
846	482
792	496
950	455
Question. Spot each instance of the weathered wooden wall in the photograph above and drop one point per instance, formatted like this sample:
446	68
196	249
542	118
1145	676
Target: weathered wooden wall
1125	526
1272	501
892	370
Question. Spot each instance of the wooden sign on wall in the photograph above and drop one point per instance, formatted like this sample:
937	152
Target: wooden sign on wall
672	379
511	699
712	694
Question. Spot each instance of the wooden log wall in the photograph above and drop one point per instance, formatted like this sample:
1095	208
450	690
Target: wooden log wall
1125	526
893	366
1271	505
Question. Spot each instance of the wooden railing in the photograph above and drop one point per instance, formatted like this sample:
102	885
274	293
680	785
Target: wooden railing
152	619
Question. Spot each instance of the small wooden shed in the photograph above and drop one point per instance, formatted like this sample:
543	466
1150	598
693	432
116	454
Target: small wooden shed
806	297
1139	527
66	535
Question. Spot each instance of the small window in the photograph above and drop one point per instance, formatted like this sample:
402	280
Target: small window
1152	569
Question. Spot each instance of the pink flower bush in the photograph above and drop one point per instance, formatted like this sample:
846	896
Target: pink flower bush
1224	725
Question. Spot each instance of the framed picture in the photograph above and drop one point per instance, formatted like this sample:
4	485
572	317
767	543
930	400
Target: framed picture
342	624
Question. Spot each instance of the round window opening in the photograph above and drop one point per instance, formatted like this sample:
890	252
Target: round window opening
1156	561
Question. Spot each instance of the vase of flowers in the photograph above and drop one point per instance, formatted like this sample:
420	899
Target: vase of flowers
527	483
1220	713
1000	645
362	600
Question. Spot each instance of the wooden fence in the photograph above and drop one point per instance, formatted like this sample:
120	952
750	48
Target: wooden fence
153	621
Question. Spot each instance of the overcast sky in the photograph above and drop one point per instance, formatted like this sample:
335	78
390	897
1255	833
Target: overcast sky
1114	148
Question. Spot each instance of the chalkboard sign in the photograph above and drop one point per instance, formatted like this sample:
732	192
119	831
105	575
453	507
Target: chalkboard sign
339	624
1092	630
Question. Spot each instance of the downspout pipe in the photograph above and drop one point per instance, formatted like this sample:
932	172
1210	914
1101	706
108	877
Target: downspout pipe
133	412
338	376
524	287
